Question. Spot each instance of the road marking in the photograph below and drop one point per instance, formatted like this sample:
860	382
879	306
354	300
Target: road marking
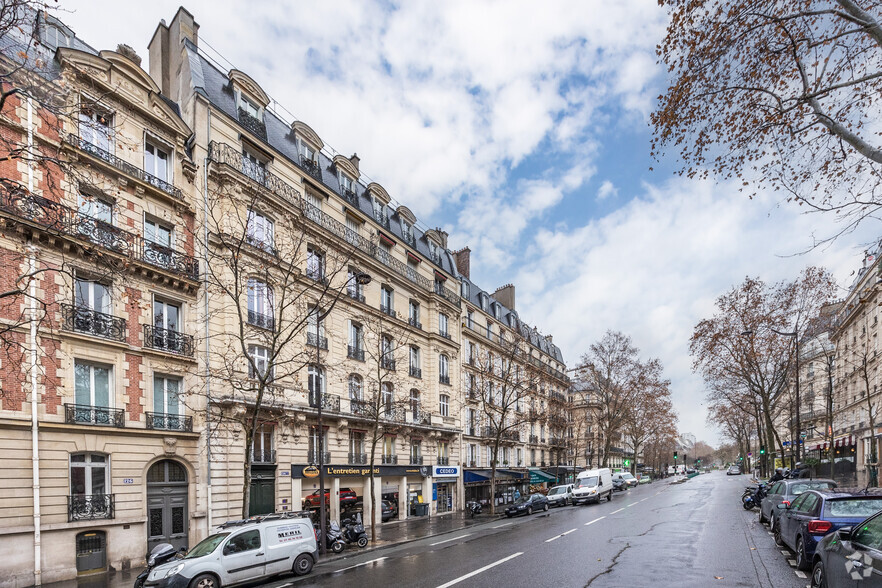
502	525
594	521
361	564
643	499
559	536
630	505
786	553
449	540
484	569
567	532
800	574
615	511
792	563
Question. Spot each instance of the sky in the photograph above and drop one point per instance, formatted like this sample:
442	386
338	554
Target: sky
523	131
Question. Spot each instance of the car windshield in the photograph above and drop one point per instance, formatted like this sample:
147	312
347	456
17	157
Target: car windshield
558	490
853	507
797	489
206	546
588	482
522	500
627	477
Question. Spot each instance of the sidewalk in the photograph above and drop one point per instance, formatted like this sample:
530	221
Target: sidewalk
388	535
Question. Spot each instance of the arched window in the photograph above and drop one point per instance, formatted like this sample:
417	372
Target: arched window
356	387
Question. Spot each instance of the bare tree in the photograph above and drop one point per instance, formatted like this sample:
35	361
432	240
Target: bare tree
650	413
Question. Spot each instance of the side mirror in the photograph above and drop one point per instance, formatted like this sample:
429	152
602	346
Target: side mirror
782	506
845	533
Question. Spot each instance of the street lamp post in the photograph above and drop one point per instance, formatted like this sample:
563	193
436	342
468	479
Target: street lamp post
361	279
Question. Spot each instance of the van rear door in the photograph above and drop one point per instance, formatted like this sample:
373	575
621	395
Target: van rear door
285	541
243	557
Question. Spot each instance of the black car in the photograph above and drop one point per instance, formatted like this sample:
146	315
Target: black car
851	556
527	505
389	510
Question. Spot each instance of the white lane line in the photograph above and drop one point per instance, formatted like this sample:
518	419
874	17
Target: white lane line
478	571
594	521
361	564
502	525
615	511
630	505
559	536
643	499
449	540
567	532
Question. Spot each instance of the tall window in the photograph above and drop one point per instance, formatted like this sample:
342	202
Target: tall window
307	152
465	289
92	384
414	313
443	369
443	452
262	445
416	451
356	387
387	351
412	270
156	161
95	128
315	264
260	304
166	395
387	299
318	444
444	408
259	365
433	250
352	230
345	183
353	288
356	340
92	295
356	447
379	209
470	322
249	107
407	230
315	329
316	384
389	445
260	230
89	483
415	362
96	208
415	402
156	233
387	395
442	324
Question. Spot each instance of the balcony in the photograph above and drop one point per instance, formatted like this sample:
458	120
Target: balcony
390	459
416	460
60	219
356	295
314	340
90	507
252	124
421	417
78	414
395	415
222	153
263	456
388	364
334	226
311	167
471	430
444	379
123	166
388	310
263	321
473	463
91	322
329	401
534	439
168	340
416	372
446	293
169	422
358	458
356	353
443	461
413	322
445	334
317	276
313	457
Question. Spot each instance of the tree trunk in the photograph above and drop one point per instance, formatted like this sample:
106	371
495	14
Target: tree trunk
373	491
246	486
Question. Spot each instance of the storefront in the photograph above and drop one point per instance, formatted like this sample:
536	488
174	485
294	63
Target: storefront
444	481
509	485
541	481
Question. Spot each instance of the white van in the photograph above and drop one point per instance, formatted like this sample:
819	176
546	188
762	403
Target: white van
592	485
243	551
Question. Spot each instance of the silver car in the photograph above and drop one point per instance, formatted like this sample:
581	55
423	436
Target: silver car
560	495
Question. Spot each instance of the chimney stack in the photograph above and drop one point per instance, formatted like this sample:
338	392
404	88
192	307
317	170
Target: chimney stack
462	261
506	295
354	159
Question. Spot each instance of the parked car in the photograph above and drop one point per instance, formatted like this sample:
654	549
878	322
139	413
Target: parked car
627	477
786	491
388	512
527	505
733	470
816	513
645	479
560	495
592	485
851	556
243	551
347	498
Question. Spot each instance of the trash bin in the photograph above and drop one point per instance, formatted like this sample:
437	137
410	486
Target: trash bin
420	510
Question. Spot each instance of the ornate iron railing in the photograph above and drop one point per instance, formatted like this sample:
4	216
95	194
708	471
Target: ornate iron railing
68	221
329	401
94	415
416	372
421	417
168	340
446	293
445	334
443	461
358	458
444	379
85	320
87	507
311	167
123	166
354	353
381	218
402	269
390	459
229	155
252	124
263	456
334	226
388	364
415	323
359	407
534	439
169	422
394	414
316	340
313	456
388	310
264	321
416	460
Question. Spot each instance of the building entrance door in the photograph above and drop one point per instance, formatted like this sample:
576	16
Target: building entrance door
167	504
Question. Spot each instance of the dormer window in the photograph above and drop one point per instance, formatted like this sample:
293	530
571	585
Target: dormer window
407	231
346	183
379	210
249	107
307	152
464	288
54	37
433	250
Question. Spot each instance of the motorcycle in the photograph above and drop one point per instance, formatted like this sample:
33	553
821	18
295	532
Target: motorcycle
752	497
353	531
160	554
473	507
334	538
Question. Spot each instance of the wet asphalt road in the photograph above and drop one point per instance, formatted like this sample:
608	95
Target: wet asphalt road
690	534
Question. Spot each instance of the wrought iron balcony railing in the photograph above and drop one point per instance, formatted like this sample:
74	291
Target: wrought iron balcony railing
264	321
358	458
329	401
443	461
169	422
413	322
388	363
355	353
421	417
85	320
123	166
94	415
359	407
388	310
445	334
253	124
381	218
316	340
446	293
534	439
416	460
311	167
313	457
168	340
65	220
416	372
232	157
263	456
89	507
394	414
444	379
390	459
355	295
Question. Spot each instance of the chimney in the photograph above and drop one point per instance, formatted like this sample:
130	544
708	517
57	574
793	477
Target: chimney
462	261
129	53
354	159
443	234
506	295
548	338
165	51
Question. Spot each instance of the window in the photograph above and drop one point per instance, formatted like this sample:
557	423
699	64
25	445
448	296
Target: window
166	395
96	208
54	37
316	383
352	230
520	455
356	387
345	183
253	166
250	108
414	314
95	128
315	329
89	486
433	250
473	455
464	288
262	445
379	209
260	231
307	152
443	371
412	270
444	408
92	384
356	447
415	362
407	231
156	161
314	201
415	402
92	295
442	324
387	350
469	319
315	264
356	339
353	288
473	385
318	445
416	452
259	366
389	445
387	395
156	233
260	304
387	300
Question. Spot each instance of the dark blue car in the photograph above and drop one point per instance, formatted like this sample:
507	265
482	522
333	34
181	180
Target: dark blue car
814	514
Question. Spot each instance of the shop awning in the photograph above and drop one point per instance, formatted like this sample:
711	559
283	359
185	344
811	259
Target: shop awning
473	476
537	476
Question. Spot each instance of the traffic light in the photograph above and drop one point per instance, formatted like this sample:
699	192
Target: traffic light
740	458
675	455
762	449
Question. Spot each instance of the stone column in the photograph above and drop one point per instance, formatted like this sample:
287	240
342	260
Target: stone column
334	514
402	499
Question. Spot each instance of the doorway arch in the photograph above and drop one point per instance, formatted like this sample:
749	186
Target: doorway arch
167	504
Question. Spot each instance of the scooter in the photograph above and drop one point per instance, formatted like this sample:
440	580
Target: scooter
160	554
752	499
353	531
473	507
334	538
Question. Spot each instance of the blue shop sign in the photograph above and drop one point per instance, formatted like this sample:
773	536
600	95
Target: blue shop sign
445	472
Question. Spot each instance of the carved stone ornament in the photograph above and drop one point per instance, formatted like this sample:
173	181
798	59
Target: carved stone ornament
170	445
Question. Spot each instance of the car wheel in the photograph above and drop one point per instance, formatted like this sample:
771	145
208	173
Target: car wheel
302	564
776	530
529	510
507	515
609	496
819	576
762	517
205	581
545	507
801	558
362	541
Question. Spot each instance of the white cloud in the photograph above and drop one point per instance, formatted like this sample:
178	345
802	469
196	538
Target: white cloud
606	190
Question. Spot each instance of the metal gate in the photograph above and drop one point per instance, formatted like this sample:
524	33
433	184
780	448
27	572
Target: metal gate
91	551
167	505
